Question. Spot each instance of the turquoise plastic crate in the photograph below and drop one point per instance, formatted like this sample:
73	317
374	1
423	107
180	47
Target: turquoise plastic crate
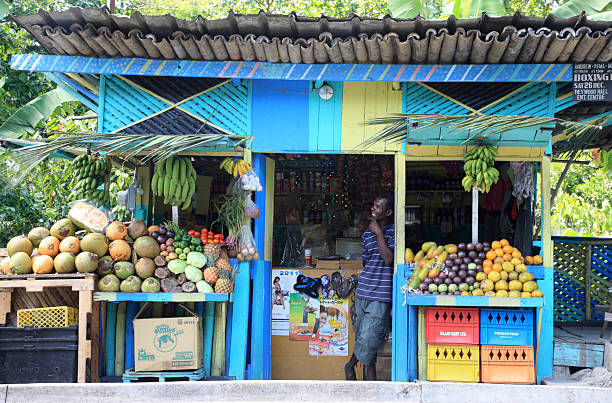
506	327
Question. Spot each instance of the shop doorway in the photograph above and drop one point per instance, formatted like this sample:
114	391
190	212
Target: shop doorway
321	207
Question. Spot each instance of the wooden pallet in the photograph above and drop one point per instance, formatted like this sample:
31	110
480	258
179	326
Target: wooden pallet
82	283
161	376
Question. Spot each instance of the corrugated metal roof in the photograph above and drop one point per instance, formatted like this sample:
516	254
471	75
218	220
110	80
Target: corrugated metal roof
294	39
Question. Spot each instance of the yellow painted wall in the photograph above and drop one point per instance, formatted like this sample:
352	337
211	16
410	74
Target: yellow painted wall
363	101
433	152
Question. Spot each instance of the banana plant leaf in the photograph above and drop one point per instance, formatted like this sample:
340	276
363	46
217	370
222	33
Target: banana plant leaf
25	120
4	9
600	10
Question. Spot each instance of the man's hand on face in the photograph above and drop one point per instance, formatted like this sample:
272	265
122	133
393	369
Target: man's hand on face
374	225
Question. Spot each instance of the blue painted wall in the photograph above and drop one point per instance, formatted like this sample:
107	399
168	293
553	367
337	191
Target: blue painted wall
279	115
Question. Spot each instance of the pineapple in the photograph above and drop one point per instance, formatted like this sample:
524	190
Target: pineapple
212	249
223	264
225	283
211	274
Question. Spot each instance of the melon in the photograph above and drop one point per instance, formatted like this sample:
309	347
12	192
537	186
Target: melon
42	264
120	250
88	217
116	230
49	246
137	228
5	266
95	243
64	263
70	244
86	262
62	229
145	246
105	265
37	234
109	283
19	244
20	263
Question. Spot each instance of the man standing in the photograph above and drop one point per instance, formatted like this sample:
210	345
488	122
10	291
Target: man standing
374	292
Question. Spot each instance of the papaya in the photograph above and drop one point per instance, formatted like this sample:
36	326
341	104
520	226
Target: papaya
419	256
451	248
431	251
442	257
427	245
423	272
438	251
415	282
409	256
434	272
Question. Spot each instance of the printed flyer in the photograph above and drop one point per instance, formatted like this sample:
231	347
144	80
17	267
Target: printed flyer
282	286
304	316
331	337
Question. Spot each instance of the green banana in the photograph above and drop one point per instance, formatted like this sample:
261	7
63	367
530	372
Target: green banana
154	183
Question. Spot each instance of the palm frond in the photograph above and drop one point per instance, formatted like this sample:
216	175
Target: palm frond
141	147
478	126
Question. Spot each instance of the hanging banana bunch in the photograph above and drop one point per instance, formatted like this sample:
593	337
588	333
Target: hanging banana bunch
235	167
174	180
479	170
91	171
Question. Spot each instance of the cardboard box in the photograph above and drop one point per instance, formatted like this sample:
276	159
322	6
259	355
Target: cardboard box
162	344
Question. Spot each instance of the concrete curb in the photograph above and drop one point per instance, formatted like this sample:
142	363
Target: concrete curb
300	391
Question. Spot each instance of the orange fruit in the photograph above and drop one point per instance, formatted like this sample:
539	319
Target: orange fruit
497	267
487	262
507	249
516	254
516	250
507	257
528	260
537	260
495	245
499	252
487	269
504	242
498	259
522	259
491	255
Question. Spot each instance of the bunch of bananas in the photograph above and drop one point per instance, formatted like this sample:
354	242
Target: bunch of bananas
479	170
174	179
91	171
235	167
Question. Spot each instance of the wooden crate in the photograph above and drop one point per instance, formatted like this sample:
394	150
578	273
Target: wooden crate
88	314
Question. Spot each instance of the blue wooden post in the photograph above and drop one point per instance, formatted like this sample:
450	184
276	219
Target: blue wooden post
228	336
209	324
240	323
400	361
109	350
261	320
132	310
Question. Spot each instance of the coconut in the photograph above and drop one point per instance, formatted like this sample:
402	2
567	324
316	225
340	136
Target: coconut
145	246
20	263
37	234
124	269
105	265
120	250
19	244
137	228
95	243
64	263
145	267
70	244
151	284
109	283
5	266
131	284
42	264
62	229
86	262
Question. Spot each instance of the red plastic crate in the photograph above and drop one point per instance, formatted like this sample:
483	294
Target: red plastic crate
448	325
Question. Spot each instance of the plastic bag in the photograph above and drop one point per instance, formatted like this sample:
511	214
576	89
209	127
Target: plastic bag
246	245
235	189
250	182
250	208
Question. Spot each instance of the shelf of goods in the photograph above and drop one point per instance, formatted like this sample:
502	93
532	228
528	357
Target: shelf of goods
162	297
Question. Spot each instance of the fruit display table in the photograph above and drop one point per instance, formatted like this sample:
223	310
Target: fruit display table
78	282
162	297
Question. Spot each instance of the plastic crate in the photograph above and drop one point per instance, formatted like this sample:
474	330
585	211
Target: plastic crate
33	355
446	325
56	316
502	364
506	327
453	363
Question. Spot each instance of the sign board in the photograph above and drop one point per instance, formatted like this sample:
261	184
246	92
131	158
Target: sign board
592	82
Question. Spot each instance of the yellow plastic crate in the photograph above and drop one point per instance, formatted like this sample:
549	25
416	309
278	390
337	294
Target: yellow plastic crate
56	316
453	363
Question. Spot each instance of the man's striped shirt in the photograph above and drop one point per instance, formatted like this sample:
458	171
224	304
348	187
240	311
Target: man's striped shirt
376	279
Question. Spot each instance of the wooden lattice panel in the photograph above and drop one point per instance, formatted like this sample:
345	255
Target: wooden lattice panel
601	277
569	281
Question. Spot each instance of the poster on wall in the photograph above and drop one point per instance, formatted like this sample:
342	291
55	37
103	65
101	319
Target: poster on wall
282	286
304	316
331	337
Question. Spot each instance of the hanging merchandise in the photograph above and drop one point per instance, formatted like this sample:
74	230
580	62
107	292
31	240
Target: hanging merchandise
235	167
250	181
479	170
92	171
523	180
174	179
246	245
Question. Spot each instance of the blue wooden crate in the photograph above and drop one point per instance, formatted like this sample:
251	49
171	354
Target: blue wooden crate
506	327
